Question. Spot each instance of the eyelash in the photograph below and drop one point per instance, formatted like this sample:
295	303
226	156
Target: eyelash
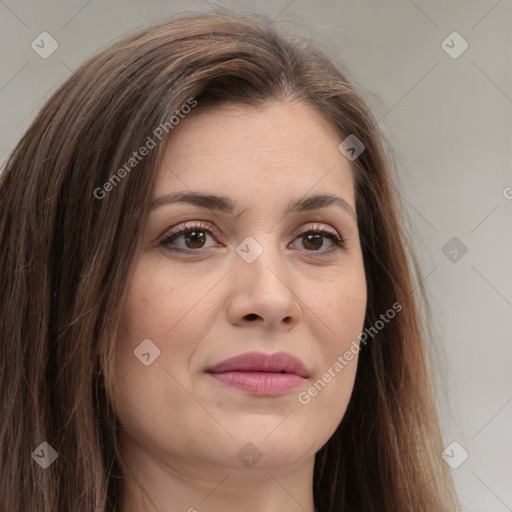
339	242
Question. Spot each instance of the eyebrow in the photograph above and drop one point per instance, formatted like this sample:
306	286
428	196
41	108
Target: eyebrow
226	205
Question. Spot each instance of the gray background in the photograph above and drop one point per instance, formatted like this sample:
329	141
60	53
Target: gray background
449	122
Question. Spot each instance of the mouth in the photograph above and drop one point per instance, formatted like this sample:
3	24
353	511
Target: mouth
261	374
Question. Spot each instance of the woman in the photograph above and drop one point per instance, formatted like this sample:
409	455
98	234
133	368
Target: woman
200	247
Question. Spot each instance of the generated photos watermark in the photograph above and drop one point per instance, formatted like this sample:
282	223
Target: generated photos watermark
144	150
305	397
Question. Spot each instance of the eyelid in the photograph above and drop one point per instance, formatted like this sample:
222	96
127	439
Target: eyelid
210	227
317	227
189	225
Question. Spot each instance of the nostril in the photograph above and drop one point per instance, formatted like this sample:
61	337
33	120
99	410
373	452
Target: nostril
251	316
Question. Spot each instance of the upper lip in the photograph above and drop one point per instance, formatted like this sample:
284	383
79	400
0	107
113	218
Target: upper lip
259	362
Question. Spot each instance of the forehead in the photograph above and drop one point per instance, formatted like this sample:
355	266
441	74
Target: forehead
282	148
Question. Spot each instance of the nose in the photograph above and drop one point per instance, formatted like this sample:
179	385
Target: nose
263	293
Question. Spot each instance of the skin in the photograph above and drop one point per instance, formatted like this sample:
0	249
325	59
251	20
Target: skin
182	428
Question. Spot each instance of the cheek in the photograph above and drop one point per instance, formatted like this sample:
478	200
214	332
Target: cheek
173	313
162	307
337	313
155	311
150	295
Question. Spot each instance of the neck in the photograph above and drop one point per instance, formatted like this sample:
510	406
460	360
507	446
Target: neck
152	485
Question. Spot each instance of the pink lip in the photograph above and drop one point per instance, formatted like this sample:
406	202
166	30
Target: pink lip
261	374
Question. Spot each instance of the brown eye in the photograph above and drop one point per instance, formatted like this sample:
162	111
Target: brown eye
313	241
194	239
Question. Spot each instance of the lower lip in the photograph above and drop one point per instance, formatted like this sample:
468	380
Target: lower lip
260	383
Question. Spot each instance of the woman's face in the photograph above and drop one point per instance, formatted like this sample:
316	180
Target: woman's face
248	274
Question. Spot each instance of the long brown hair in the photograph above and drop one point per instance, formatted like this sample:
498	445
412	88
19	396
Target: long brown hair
67	241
